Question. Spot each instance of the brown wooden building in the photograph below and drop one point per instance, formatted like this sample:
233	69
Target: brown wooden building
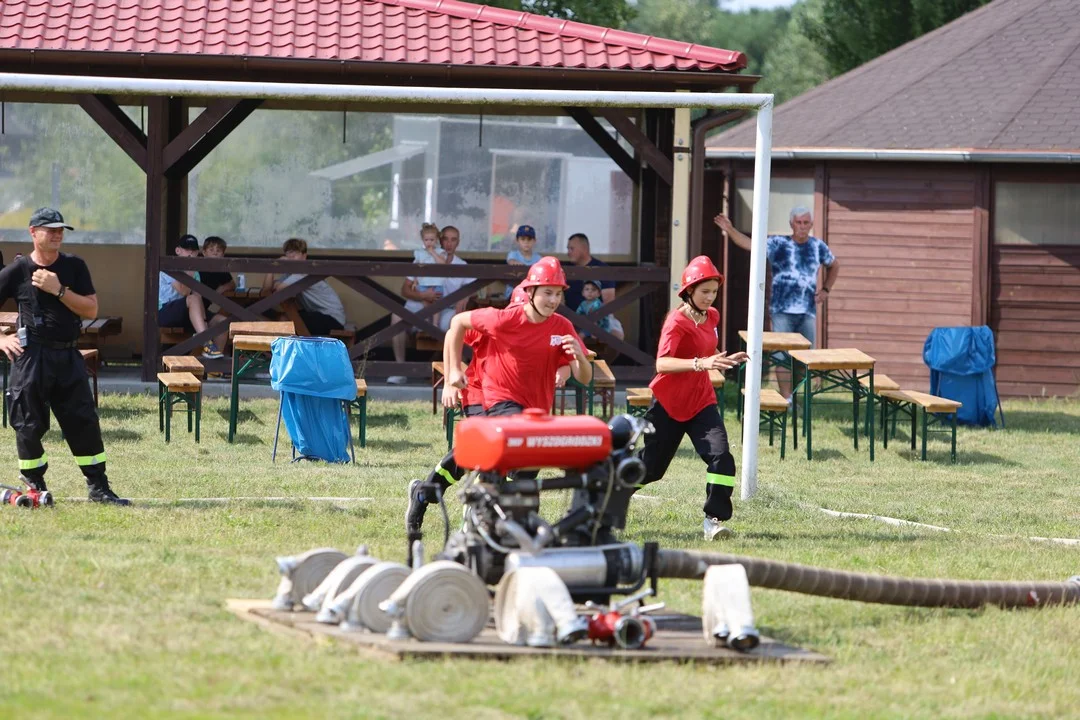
946	177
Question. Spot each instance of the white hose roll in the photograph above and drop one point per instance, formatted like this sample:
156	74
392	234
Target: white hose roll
441	602
338	580
303	573
533	607
368	590
726	610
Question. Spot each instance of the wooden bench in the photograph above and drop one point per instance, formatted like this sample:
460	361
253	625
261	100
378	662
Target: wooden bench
881	382
183	363
94	331
175	388
638	401
603	384
346	335
936	411
773	411
718	379
428	344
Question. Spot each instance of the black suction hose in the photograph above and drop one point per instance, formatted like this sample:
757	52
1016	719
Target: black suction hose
918	592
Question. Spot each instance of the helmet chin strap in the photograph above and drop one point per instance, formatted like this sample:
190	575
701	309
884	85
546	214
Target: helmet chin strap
689	301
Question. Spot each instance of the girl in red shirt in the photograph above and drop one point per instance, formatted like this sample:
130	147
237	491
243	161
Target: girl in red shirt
683	398
526	349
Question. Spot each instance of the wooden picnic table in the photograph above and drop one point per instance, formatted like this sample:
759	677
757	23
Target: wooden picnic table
251	354
771	342
836	368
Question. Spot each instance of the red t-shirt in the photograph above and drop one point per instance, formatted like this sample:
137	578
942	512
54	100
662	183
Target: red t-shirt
473	394
521	357
684	395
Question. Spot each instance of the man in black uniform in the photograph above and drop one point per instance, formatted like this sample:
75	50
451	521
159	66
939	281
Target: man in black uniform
53	290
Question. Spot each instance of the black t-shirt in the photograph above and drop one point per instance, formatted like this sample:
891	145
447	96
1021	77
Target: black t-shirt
40	313
573	296
214	280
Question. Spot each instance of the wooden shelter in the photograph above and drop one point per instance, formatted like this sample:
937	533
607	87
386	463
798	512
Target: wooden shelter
371	42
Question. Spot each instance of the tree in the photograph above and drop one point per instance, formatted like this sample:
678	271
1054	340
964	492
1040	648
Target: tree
608	13
852	32
794	64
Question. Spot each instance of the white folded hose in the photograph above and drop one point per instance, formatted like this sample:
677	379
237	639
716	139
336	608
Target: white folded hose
440	602
727	617
369	589
301	574
340	578
533	607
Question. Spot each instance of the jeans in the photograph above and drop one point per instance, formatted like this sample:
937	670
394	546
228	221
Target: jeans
804	324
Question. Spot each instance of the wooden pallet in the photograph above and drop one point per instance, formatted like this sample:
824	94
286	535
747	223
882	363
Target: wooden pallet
678	639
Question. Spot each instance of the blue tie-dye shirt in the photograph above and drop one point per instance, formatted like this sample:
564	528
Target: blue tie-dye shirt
794	273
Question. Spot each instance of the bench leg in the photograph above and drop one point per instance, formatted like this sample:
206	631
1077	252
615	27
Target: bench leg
198	414
855	416
914	425
161	407
771	420
363	421
783	433
924	419
189	401
168	416
954	438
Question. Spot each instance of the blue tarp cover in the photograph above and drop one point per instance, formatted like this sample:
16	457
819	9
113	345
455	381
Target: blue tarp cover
961	362
314	376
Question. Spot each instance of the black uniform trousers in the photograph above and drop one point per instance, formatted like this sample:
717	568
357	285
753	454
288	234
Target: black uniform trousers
707	433
44	378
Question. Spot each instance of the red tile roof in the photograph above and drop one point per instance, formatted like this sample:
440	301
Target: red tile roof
409	31
1001	78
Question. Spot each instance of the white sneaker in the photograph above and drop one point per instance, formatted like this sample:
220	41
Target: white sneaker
397	380
715	529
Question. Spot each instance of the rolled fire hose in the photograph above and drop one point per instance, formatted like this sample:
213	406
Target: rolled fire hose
301	574
368	590
917	592
440	602
533	607
339	579
727	617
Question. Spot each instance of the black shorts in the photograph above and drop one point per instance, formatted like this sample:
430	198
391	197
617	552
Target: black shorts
175	314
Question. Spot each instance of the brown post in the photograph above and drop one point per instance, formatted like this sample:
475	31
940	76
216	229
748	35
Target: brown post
980	281
821	222
157	136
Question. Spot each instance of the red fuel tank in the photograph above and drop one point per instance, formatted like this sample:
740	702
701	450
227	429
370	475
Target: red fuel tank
533	439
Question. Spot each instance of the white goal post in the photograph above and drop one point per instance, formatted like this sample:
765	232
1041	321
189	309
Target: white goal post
761	103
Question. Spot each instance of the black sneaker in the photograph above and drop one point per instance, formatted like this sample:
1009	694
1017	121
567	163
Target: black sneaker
414	511
101	492
34	483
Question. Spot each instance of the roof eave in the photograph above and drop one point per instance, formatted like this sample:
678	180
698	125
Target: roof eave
236	67
903	155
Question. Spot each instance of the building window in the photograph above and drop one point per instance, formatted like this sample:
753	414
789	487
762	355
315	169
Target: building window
784	194
1036	213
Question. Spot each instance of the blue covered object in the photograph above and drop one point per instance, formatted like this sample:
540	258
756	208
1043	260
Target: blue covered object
961	362
314	377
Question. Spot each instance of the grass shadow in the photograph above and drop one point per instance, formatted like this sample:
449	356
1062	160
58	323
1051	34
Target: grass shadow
388	419
126	413
241	416
393	445
124	435
243	439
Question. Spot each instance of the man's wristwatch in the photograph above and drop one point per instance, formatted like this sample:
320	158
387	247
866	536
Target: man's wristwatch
825	289
63	289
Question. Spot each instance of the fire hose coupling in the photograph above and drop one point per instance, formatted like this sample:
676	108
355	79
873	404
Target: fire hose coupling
627	630
302	574
533	607
29	498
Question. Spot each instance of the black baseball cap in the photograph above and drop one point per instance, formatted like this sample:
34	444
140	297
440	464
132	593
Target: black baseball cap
526	231
188	242
47	217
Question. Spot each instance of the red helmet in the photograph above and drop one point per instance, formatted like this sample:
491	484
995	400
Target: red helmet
699	270
545	271
519	296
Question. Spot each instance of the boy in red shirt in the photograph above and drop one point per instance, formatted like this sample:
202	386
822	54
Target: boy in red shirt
683	398
472	396
526	349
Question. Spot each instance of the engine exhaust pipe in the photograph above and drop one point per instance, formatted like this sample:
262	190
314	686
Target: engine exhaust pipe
913	592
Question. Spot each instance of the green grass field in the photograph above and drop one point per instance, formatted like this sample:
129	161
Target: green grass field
111	612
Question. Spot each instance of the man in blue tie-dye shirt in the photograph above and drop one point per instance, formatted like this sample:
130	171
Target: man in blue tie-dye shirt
794	261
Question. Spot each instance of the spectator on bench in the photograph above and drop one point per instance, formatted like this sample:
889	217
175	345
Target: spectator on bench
178	306
320	307
214	247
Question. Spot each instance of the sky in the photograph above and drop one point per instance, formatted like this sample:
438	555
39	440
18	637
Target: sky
737	5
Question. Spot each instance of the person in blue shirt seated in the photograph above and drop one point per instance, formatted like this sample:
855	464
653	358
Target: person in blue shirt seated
525	252
179	307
